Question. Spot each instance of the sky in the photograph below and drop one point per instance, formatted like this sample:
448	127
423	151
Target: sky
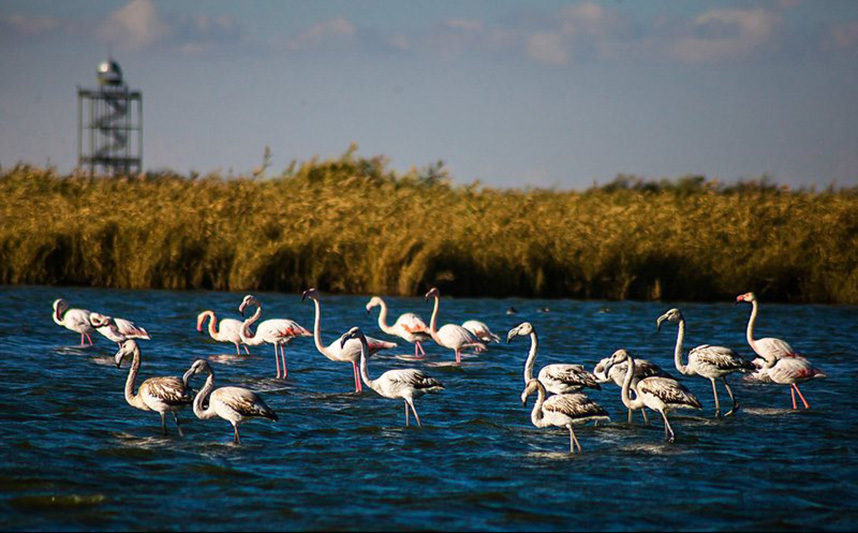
560	94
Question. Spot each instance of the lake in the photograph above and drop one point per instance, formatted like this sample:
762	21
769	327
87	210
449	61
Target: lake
75	456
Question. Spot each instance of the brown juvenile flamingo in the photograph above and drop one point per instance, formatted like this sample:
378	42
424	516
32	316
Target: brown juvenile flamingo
557	378
76	320
783	365
227	330
711	362
451	336
276	331
562	410
348	352
617	373
408	326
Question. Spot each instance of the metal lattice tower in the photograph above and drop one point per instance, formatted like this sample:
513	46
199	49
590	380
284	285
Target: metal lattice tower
110	124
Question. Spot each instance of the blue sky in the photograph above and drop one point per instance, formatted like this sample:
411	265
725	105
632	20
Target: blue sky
557	94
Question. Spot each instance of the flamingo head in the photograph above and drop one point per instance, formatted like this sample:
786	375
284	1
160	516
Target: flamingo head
60	307
126	348
532	386
310	293
354	333
199	366
523	330
201	318
674	315
747	297
98	320
375	301
620	356
248	301
433	293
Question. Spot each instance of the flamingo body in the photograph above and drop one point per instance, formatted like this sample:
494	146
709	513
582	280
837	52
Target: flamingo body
481	330
225	330
451	336
562	410
76	320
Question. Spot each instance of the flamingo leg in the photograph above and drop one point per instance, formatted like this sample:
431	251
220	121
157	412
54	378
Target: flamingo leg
237	349
715	394
458	357
89	339
358	387
668	431
178	425
630	417
416	416
245	349
277	361
236	438
422	352
163	423
283	361
792	392
406	414
730	392
643	412
800	395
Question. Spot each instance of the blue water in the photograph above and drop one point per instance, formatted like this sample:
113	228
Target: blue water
74	455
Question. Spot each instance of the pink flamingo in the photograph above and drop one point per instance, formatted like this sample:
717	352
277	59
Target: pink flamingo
408	326
783	365
345	352
118	330
229	330
276	331
451	336
76	320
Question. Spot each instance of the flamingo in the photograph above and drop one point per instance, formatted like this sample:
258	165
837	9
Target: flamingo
338	352
481	330
76	320
117	330
236	405
562	410
161	394
557	378
408	326
657	393
711	362
229	330
406	384
643	369
276	331
450	335
783	365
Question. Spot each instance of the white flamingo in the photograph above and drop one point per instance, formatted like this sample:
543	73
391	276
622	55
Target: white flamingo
481	330
710	362
557	378
562	410
406	384
451	336
408	326
76	320
276	331
783	365
161	394
227	330
657	393
342	353
617	373
236	405
117	330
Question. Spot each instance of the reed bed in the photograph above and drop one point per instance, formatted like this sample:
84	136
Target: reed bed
350	225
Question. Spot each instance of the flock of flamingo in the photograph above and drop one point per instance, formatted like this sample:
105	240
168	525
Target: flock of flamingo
560	401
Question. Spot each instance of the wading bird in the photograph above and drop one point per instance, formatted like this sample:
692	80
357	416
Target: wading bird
342	353
562	410
117	330
228	330
481	330
557	378
783	365
236	405
451	336
659	394
161	394
617	373
276	331
406	384
408	326
707	361
76	320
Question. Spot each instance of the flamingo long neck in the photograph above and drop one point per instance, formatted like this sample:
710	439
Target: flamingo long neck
677	352
382	318
209	412
433	322
247	336
213	331
627	385
317	329
751	321
531	357
135	400
536	416
364	370
58	316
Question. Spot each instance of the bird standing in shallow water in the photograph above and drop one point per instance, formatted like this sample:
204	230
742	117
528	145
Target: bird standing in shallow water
236	405
481	330
76	320
406	384
451	336
117	330
617	373
276	331
161	394
227	330
408	326
562	410
710	362
783	365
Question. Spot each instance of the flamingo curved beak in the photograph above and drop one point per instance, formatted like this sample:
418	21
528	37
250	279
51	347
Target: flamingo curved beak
512	333
658	322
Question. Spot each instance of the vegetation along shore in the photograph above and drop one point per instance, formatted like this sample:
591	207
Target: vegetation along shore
351	225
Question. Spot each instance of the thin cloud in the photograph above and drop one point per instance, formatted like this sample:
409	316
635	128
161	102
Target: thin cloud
728	34
337	32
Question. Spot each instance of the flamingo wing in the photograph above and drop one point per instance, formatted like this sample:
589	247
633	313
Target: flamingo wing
411	323
574	375
244	402
129	330
794	370
453	336
168	389
575	406
772	348
668	391
720	357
